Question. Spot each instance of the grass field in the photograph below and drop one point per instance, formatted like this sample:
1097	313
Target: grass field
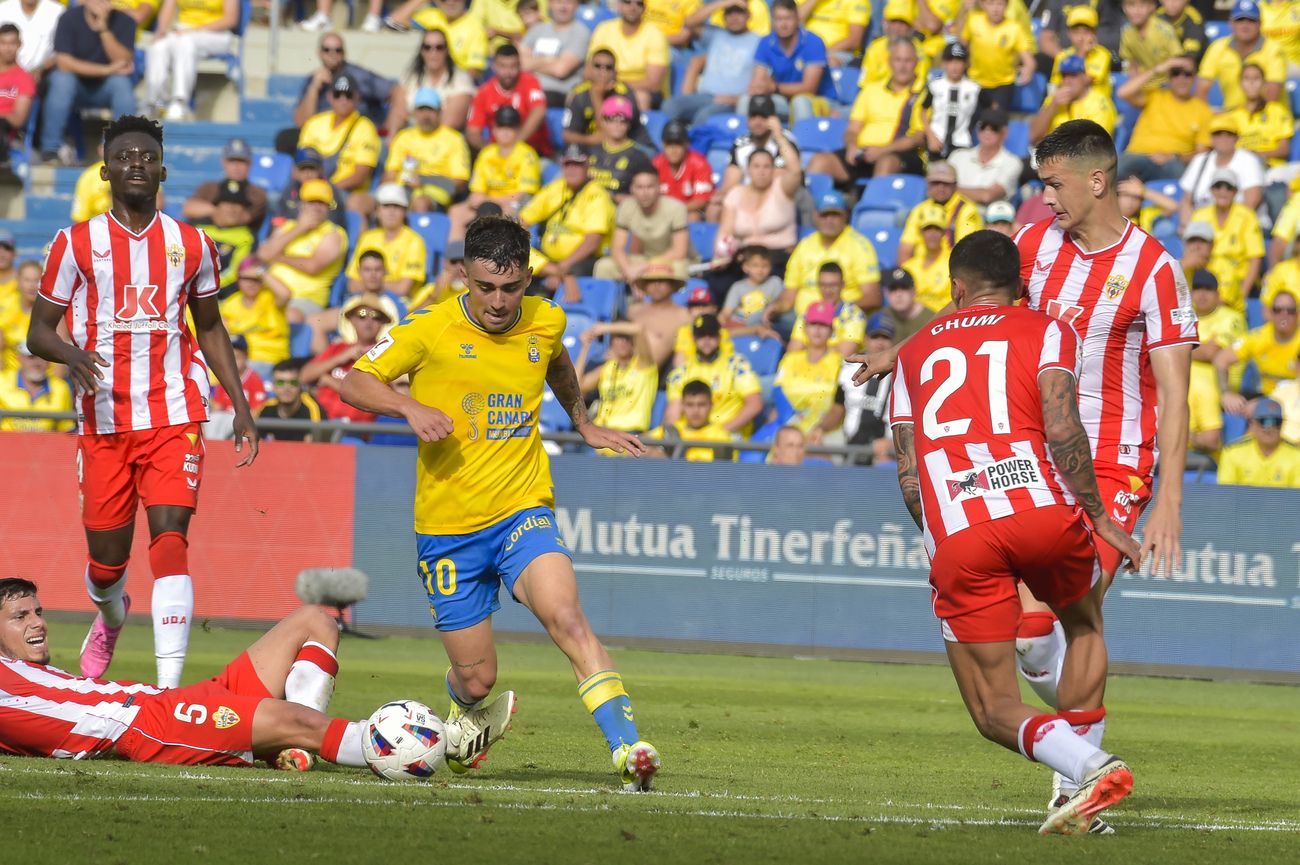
765	760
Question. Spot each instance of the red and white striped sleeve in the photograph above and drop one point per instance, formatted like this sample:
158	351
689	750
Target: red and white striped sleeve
62	277
1060	349
900	399
207	279
1167	307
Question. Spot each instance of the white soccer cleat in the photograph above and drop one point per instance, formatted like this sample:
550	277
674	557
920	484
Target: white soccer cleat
471	733
1099	791
637	766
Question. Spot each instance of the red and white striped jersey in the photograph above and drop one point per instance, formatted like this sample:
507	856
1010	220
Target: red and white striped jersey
1124	301
125	296
45	712
968	384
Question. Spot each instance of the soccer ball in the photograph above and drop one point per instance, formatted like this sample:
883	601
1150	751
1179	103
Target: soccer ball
404	740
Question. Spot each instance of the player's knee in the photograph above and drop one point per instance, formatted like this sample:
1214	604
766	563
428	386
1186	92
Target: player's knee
317	626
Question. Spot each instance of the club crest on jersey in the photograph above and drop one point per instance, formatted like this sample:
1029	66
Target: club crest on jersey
534	354
1115	286
175	254
1006	474
140	308
225	718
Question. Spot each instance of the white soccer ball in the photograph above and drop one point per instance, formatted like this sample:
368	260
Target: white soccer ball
405	740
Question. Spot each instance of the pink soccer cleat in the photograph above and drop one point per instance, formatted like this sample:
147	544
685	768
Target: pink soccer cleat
97	650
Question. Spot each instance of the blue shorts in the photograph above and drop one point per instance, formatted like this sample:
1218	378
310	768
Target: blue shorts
462	574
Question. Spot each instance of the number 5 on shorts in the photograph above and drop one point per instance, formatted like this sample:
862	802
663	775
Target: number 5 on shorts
442	579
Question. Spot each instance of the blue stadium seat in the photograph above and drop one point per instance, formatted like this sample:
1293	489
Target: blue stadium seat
885	240
1215	96
819	184
553	416
271	171
234	59
594	13
550	171
48	207
654	122
1173	245
718	161
601	296
819	134
433	227
764	353
733	124
1018	138
1295	148
576	323
703	235
1169	188
300	339
285	89
1028	98
893	192
657	410
846	84
1234	427
355	226
868	219
1254	312
1215	30
555	126
1293	95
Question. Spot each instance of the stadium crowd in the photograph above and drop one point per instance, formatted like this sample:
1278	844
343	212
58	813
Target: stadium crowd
729	198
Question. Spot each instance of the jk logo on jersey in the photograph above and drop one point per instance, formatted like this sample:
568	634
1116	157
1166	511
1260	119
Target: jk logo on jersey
139	308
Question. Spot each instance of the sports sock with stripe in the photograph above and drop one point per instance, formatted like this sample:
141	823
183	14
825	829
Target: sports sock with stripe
311	678
1049	739
105	585
342	742
1040	652
172	605
603	695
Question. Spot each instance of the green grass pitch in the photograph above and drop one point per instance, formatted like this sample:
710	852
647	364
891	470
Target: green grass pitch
765	760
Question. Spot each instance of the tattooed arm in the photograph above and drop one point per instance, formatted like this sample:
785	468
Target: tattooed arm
1072	454
563	379
909	479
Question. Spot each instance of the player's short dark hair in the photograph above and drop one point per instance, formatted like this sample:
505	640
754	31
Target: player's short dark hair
988	262
695	387
10	27
1080	141
831	267
788	5
291	364
15	587
373	253
499	241
129	123
506	50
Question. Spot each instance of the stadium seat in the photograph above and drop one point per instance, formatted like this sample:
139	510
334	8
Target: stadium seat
718	161
355	227
654	122
1215	96
868	219
885	240
733	124
1169	188
1018	138
819	184
576	323
234	58
764	353
893	192
1293	94
1254	312
553	416
594	13
48	207
601	296
1234	427
271	171
1028	98
846	84
703	235
550	171
1173	245
819	134
657	410
1295	148
555	126
1215	30
433	227
300	339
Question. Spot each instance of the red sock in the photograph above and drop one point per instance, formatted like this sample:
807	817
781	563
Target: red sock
1035	625
1081	720
329	748
104	576
168	555
315	653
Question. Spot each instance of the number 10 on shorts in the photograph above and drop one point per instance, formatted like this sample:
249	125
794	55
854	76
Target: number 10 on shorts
442	579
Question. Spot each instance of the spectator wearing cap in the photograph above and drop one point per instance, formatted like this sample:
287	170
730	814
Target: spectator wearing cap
987	173
575	213
834	240
553	51
1147	41
898	16
304	255
640	50
94	58
659	315
1262	458
737	393
506	172
363	321
30	387
616	159
1198	178
1173	126
902	307
187	31
1198	243
647	225
1001	52
761	122
16	309
430	159
849	326
1072	99
759	213
960	215
236	160
887	124
699	301
809	376
717	79
404	252
748	298
1225	57
1188	23
1238	251
289	402
346	140
626	383
17	91
866	405
1081	25
684	174
1273	347
696	423
710	14
509	86
582	112
228	227
221	409
790	66
954	99
35	21
307	165
928	264
1218	327
378	98
1000	216
256	314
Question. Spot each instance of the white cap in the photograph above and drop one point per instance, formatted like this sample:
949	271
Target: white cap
1225	175
1199	230
392	193
1000	211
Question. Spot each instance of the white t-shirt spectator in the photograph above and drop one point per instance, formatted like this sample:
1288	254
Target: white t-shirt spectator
1200	172
37	32
548	42
1002	170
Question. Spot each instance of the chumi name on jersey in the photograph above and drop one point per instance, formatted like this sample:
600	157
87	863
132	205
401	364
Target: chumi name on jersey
1007	474
965	321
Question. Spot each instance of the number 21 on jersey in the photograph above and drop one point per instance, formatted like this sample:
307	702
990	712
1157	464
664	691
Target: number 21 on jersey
957	372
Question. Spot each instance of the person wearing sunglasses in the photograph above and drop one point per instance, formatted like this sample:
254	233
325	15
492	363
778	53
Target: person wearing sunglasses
1273	347
600	81
363	321
433	66
467	37
346	140
378	98
641	50
289	401
1263	458
617	159
1174	121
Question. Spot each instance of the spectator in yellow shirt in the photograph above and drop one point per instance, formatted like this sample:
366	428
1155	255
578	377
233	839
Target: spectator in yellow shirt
849	327
898	17
929	264
626	383
1082	23
1187	23
1072	99
737	393
640	51
961	215
1198	248
1174	123
188	31
712	13
346	140
1238	251
1224	59
1001	52
143	11
306	254
576	215
429	159
16	312
464	30
1262	459
30	387
669	18
807	377
696	423
1279	22
90	197
1218	327
1273	347
842	25
507	172
1266	127
256	312
405	255
1147	41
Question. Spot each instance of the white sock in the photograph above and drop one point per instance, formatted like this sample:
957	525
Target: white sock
1058	746
307	683
1040	660
173	610
108	599
350	746
1091	734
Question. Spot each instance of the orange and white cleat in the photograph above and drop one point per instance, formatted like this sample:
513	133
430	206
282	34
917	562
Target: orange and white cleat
294	760
1099	791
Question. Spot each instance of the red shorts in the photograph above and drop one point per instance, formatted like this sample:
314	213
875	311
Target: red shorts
974	572
117	471
206	724
1125	496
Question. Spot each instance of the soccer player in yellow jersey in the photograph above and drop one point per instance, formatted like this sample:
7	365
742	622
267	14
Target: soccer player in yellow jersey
628	379
1262	459
484	500
429	159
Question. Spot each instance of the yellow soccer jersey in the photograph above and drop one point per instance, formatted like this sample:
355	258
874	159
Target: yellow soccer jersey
887	114
405	256
440	153
495	175
627	395
1223	327
851	251
54	396
1090	106
490	385
669	16
91	196
14	322
932	284
263	324
684	343
466	37
1243	464
850	326
568	217
193	14
831	20
1237	240
311	287
1279	22
1222	63
731	377
361	147
994	49
1263	130
710	432
632	54
962	215
809	385
1275	360
129	6
1096	65
875	63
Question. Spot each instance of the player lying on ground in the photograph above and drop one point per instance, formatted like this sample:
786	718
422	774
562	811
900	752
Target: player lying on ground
995	469
484	502
268	703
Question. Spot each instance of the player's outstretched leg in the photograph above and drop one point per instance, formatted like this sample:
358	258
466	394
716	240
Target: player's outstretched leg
549	588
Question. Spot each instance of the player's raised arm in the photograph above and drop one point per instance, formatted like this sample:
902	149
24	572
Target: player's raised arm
563	379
